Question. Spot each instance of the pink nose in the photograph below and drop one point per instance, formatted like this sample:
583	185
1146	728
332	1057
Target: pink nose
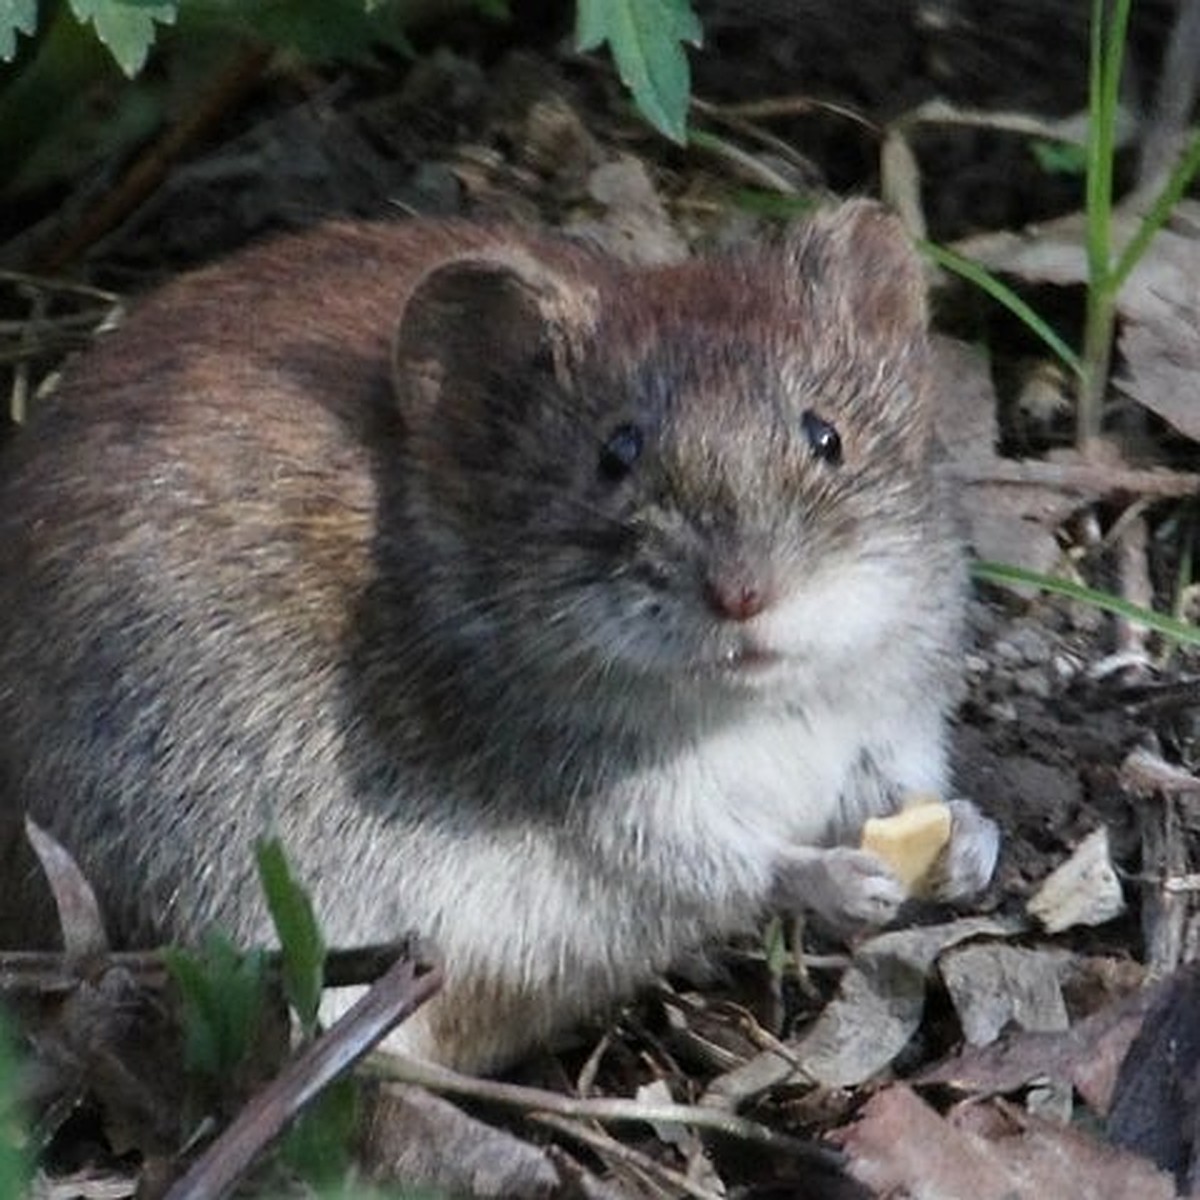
737	599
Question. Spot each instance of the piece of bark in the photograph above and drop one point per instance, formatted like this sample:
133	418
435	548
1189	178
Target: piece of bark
1156	1105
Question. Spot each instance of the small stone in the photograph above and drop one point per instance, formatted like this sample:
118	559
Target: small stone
1008	652
1033	682
1031	644
1065	667
1084	890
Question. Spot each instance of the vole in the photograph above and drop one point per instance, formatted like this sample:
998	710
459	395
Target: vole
566	612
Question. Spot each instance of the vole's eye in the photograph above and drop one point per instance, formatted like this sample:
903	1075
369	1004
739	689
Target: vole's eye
824	439
619	453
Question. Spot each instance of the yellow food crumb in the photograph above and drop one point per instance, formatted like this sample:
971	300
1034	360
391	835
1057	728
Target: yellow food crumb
911	840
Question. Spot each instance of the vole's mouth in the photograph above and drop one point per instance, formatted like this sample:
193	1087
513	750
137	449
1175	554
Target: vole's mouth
748	661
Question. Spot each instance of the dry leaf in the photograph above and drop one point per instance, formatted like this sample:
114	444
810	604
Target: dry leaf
425	1142
1088	1055
994	986
1156	1104
79	916
902	1147
880	1001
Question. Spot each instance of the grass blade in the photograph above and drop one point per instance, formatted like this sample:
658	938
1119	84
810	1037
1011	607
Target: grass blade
1003	294
1170	627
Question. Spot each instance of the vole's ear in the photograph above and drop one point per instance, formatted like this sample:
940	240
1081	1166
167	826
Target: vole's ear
860	258
484	323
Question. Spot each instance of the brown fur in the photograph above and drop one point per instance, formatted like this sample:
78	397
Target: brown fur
322	541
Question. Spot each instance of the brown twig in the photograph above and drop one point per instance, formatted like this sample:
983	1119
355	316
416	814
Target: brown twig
1088	480
44	972
540	1100
787	106
608	1147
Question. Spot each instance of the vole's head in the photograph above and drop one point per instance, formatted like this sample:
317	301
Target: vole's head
713	473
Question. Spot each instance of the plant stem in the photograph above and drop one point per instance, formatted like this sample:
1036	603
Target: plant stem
1097	357
1164	204
1104	80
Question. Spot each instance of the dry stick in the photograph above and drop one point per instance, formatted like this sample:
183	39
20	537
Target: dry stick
608	1147
45	283
44	972
1133	572
1164	911
941	112
1144	773
22	386
1165	901
25	338
390	1000
539	1100
1092	480
230	86
788	106
748	129
754	169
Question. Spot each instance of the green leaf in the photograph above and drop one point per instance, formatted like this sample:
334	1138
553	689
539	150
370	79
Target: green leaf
319	30
126	28
1059	158
16	16
1170	627
646	38
1172	192
775	947
222	991
317	1146
761	201
14	1161
300	936
982	278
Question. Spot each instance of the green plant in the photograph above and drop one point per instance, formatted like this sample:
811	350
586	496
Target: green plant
1170	628
302	945
16	16
646	38
1059	158
1107	273
1107	270
70	99
129	29
317	1146
778	953
999	291
14	1161
223	991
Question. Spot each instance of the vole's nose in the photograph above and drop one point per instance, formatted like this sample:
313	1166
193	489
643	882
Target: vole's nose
736	595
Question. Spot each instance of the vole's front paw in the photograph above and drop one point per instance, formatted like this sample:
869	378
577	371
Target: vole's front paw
845	888
968	861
